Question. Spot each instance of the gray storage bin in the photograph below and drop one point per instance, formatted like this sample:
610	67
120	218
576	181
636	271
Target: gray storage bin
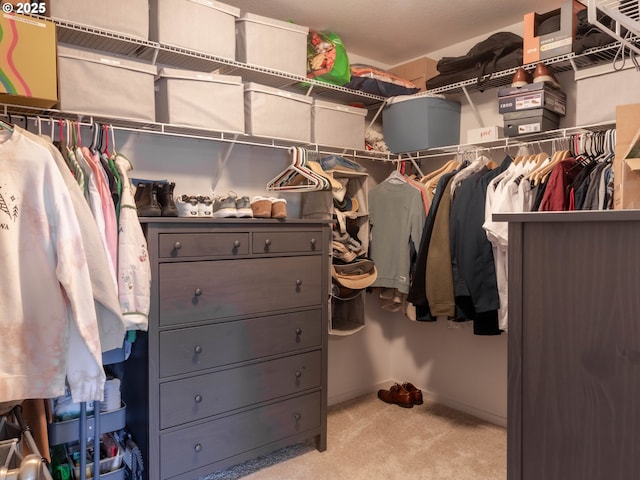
274	113
273	44
202	100
338	125
95	83
204	26
411	123
128	17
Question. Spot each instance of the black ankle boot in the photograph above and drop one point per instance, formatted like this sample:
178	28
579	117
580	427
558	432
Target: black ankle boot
165	199
146	200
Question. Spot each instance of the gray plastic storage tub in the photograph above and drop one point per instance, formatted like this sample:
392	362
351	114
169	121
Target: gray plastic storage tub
420	122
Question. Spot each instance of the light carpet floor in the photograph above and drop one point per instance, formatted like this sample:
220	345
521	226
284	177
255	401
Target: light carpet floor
368	439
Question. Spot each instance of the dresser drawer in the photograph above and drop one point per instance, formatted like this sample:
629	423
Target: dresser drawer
184	245
194	291
191	448
183	401
284	242
196	348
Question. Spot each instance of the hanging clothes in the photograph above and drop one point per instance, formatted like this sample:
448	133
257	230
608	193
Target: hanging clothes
49	323
396	215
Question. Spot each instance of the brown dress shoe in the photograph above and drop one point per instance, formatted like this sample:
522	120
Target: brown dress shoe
397	395
521	78
542	73
416	393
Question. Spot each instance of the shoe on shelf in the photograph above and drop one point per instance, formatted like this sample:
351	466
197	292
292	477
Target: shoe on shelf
164	193
521	78
146	198
278	208
397	395
187	206
416	393
243	205
205	206
261	207
225	207
542	73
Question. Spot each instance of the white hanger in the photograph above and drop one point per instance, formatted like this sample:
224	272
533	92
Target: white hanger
297	177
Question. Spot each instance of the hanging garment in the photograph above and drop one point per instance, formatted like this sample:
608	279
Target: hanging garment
49	325
397	215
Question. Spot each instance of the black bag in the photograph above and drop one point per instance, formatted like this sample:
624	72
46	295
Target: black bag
483	58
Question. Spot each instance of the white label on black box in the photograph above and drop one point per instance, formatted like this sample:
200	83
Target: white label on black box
529	128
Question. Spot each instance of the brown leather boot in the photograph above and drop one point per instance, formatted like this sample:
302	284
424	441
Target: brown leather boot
165	198
146	200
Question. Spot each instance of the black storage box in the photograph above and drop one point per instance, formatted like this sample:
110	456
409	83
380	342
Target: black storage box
532	96
529	121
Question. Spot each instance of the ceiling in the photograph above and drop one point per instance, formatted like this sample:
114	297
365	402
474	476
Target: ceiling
394	31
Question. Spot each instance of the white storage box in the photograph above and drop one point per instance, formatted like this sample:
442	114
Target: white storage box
200	25
273	44
94	83
128	17
202	100
270	112
419	122
338	125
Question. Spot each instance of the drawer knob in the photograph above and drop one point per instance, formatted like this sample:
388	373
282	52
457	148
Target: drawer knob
198	398
237	243
298	331
298	283
177	246
313	242
267	242
298	374
198	292
197	349
297	416
197	447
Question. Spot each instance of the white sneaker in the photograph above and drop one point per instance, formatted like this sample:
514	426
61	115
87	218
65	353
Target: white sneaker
225	207
205	206
244	207
187	206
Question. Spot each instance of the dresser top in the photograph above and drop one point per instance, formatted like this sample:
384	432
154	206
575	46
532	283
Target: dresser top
574	216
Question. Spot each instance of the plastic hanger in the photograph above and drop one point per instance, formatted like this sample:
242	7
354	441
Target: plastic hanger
297	177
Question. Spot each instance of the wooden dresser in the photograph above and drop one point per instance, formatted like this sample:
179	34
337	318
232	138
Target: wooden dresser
234	363
574	345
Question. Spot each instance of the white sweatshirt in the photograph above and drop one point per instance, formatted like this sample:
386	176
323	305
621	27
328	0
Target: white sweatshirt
48	324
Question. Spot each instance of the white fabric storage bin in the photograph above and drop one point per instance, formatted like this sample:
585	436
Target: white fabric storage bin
203	26
270	112
128	17
95	83
202	100
338	125
273	44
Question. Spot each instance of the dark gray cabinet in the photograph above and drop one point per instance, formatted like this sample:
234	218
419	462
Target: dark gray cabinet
574	345
234	363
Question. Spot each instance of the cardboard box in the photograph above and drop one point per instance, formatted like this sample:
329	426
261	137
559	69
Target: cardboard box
338	125
417	71
550	34
201	100
204	26
529	121
29	67
127	17
270	43
626	165
546	97
484	134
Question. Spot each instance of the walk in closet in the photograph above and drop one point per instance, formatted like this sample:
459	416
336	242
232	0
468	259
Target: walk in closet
194	398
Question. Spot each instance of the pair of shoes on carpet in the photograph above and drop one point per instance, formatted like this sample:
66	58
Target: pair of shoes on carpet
405	395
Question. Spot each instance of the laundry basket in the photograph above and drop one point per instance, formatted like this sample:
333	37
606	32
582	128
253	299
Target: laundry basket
19	455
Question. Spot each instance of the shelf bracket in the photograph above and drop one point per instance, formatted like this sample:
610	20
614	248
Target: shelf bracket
375	117
473	107
223	157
